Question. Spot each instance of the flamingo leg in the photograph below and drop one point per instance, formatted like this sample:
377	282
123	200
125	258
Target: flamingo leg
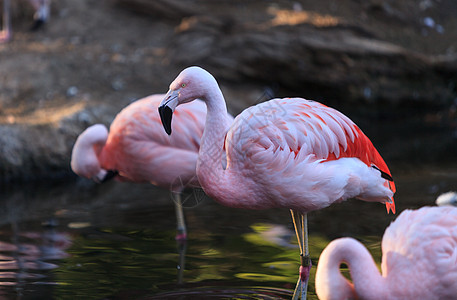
300	222
5	34
181	234
182	247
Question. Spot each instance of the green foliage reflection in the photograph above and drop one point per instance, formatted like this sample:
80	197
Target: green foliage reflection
115	261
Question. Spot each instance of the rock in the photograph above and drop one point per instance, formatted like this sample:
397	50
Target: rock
325	62
72	91
93	58
39	149
167	9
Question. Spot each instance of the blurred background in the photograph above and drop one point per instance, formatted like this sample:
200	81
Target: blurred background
391	66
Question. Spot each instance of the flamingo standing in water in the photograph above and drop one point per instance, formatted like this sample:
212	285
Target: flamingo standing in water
136	149
419	260
41	16
288	153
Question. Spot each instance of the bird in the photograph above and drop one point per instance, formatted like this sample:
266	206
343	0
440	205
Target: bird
137	150
419	260
283	153
41	16
449	198
42	13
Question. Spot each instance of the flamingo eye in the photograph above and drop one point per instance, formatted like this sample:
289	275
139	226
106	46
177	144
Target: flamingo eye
183	85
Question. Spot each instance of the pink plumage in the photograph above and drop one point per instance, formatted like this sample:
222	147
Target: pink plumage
295	145
137	149
291	153
141	152
288	153
419	260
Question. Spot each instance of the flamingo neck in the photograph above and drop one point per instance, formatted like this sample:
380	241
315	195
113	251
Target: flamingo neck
85	154
367	281
214	180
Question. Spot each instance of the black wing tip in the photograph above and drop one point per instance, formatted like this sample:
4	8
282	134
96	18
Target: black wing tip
384	175
166	115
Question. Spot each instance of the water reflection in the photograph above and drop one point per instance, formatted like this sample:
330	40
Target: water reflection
116	241
26	255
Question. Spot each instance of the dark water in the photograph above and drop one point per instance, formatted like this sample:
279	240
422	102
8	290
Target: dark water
79	240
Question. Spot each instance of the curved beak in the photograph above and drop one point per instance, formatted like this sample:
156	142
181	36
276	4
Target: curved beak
110	174
166	109
105	175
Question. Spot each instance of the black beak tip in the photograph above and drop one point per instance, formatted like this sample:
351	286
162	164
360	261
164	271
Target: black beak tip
165	116
110	174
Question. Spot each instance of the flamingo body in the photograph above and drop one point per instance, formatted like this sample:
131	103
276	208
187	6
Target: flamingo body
138	149
419	260
303	155
291	153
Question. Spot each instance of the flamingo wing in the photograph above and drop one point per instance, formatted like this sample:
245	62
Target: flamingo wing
281	133
141	121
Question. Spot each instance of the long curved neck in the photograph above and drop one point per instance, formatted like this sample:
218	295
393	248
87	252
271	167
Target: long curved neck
86	151
211	174
367	281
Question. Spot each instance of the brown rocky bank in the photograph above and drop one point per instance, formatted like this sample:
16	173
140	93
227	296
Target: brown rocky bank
380	62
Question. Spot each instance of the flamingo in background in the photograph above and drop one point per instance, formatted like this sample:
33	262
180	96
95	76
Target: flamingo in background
449	198
287	153
136	149
42	12
419	260
41	16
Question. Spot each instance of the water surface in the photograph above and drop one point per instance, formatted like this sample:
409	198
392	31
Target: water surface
79	240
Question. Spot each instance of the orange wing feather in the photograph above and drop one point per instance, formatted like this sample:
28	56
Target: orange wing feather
363	149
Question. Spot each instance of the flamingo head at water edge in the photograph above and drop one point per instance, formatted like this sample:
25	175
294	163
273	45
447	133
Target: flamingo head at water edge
191	83
447	199
84	157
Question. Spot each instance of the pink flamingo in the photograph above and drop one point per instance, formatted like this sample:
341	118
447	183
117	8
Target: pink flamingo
41	16
419	260
287	153
449	198
136	149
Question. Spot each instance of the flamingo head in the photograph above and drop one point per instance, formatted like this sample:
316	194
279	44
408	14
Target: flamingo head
447	199
191	83
84	157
